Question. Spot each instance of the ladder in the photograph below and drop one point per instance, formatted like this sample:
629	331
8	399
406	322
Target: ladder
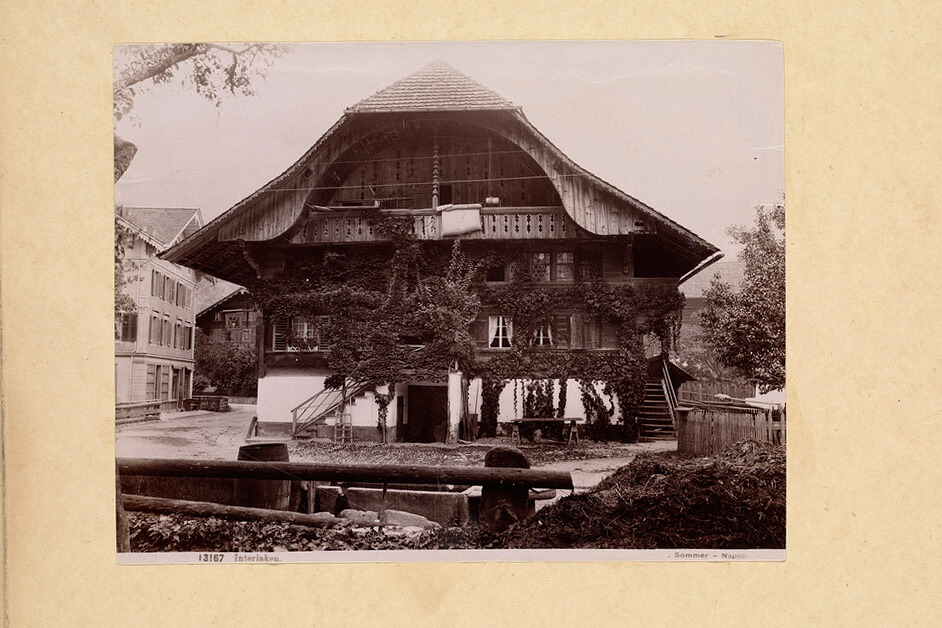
343	427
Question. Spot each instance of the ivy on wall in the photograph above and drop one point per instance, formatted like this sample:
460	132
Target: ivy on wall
405	309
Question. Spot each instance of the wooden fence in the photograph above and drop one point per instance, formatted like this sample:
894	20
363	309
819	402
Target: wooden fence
707	429
704	391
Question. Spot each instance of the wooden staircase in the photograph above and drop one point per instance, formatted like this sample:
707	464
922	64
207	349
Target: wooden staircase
325	404
657	422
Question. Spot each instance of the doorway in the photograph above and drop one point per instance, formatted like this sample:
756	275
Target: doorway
428	414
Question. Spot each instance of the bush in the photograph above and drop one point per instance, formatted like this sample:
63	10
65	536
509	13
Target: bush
231	368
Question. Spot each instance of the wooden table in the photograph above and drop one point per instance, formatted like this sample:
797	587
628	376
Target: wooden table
572	421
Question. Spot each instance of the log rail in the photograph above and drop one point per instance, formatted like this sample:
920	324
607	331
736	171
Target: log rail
414	474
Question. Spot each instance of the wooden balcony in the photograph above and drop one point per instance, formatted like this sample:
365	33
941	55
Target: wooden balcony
511	223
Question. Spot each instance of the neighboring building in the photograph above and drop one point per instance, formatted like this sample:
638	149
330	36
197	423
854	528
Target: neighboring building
154	347
459	162
225	312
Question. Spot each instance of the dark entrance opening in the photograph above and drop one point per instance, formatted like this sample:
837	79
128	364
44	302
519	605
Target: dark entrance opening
428	414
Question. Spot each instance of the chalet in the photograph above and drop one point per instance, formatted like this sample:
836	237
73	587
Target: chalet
154	345
447	159
225	312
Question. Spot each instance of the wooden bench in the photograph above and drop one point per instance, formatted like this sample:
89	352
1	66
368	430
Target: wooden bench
572	421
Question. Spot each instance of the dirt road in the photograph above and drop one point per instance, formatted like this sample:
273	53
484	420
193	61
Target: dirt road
207	435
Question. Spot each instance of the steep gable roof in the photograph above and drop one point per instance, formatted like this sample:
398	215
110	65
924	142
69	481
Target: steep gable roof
437	86
219	248
211	291
161	224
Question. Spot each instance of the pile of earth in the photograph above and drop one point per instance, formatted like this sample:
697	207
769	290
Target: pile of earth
732	501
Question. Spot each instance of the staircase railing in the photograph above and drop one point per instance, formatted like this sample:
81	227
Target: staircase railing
322	403
669	392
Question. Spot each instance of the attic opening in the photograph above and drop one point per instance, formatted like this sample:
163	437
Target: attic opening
418	165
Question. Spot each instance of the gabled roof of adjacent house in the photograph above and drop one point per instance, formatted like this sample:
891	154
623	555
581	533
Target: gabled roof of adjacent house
436	87
163	225
211	292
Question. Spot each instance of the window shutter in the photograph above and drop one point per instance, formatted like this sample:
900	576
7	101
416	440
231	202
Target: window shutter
561	329
479	330
279	327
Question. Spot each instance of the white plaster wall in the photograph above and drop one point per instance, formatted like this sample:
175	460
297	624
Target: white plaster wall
280	391
507	411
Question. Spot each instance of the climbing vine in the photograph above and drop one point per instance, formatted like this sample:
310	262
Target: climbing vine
406	309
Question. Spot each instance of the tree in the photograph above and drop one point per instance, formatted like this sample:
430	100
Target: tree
231	368
746	327
212	70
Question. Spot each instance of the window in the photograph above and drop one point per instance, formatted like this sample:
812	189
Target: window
153	282
125	327
188	336
305	334
165	332
496	273
542	266
178	334
563	266
499	332
543	336
165	383
154	335
234	319
151	381
172	298
552	266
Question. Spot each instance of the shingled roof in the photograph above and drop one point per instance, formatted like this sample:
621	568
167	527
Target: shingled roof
161	224
211	291
437	86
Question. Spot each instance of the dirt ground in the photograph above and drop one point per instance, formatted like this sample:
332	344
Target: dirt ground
218	436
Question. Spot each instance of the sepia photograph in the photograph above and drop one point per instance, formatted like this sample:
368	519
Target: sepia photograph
452	301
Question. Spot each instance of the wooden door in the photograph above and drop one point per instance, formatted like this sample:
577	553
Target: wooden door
428	414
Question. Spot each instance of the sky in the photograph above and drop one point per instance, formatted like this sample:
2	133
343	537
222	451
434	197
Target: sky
694	129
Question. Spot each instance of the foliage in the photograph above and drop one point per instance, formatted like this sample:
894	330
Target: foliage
538	402
406	310
232	368
746	327
211	70
490	406
123	302
388	314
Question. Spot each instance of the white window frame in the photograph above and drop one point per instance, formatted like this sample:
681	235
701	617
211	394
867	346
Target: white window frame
500	332
543	336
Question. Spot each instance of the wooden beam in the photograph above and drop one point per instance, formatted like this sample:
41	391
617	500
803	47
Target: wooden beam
163	505
412	474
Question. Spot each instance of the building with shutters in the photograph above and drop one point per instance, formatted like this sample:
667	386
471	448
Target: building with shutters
455	161
154	346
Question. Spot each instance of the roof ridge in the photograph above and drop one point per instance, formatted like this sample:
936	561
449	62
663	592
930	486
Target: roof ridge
436	85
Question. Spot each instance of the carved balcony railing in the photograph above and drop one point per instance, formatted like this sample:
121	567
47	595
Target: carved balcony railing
511	223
